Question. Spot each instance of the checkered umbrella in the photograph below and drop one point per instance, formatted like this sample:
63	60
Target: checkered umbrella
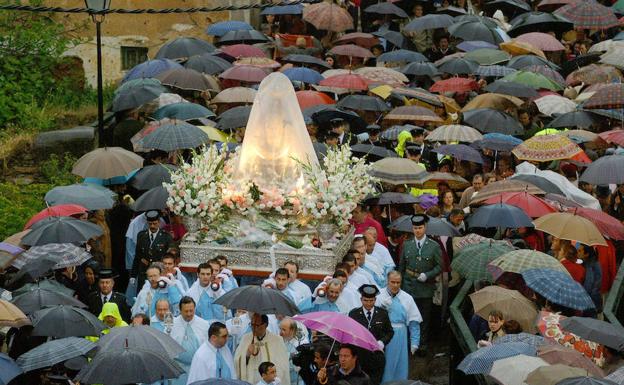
558	287
517	261
471	261
608	97
66	254
496	71
481	361
175	136
53	352
531	339
392	133
454	132
545	70
543	41
593	74
589	15
546	148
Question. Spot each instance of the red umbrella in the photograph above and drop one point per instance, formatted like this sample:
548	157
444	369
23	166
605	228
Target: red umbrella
607	224
454	85
244	73
362	39
348	81
308	99
56	211
613	136
328	16
351	50
529	203
243	50
541	40
589	15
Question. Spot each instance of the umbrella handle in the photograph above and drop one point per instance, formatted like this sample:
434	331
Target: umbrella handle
330	351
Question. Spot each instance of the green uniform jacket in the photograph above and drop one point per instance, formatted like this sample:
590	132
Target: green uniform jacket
413	262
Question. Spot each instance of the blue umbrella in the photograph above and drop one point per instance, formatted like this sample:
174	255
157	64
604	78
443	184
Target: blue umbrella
421	69
221	28
175	136
291	9
305	75
491	120
121	179
481	361
498	142
500	215
402	55
150	68
182	111
473	45
496	71
392	133
91	196
460	152
8	369
184	47
431	21
207	63
558	287
54	352
530	339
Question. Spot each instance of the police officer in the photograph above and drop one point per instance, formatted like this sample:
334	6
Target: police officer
421	262
152	245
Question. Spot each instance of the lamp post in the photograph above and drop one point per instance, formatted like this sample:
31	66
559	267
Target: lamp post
97	6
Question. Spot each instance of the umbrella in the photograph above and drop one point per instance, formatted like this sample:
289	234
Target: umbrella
591	329
454	84
328	16
371	152
580	136
8	369
382	75
207	63
546	148
427	22
474	30
351	50
244	73
532	79
393	37
543	41
552	374
516	47
558	287
585	380
559	354
245	36
223	27
91	196
129	365
531	339
349	81
11	315
238	51
468	45
481	361
107	162
539	21
419	94
54	352
45	284
500	215
487	56
471	261
304	75
305	59
220	381
504	186
421	69
576	118
392	133
530	204
509	7
554	104
64	254
175	136
135	93
522	61
140	337
545	70
234	118
185	79
8	252
150	68
494	101
65	321
258	299
513	370
455	182
594	74
64	210
393	198
571	227
61	230
414	113
401	55
459	66
496	143
454	132
610	96
339	327
260	62
325	115
363	103
308	99
153	176
184	47
397	171
461	152
511	88
386	8
589	15
153	199
540	182
517	261
613	136
361	39
580	61
510	302
490	120
31	272
607	224
617	376
235	95
182	111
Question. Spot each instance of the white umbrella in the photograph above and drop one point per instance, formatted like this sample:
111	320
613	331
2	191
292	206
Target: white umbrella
514	370
554	104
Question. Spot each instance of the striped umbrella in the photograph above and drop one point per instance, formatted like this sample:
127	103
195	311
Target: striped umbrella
558	287
471	261
546	148
617	376
54	352
481	361
531	339
66	255
589	15
517	261
454	132
554	104
414	113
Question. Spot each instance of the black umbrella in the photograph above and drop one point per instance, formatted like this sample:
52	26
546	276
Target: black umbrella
363	102
512	88
459	66
491	120
431	21
65	321
31	272
475	30
605	170
184	47
305	59
493	144
173	136
308	112
580	119
580	61
46	284
185	79
324	117
460	152
539	21
242	37
208	64
487	21
259	300
421	69
539	182
521	61
393	198
371	152
508	7
37	299
140	337
591	329
234	118
500	215
386	8
152	176
61	230
129	366
137	93
54	352
396	38
402	55
153	199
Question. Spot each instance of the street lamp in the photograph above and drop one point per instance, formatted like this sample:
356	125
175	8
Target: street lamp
97	7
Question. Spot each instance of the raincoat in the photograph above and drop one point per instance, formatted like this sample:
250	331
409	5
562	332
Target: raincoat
109	309
404	137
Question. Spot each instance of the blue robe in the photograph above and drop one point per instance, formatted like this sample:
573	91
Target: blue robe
190	343
208	310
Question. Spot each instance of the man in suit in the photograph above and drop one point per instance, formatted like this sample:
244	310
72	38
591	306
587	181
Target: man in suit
376	320
420	264
105	294
152	245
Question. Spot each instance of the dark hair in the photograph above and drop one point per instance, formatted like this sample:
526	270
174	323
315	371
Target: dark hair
456	212
265	366
342	266
144	318
263	318
349	257
169	255
186	300
204	265
323	350
351	348
214	261
512	327
340	273
378	46
282	271
222	258
155	265
215	328
295	264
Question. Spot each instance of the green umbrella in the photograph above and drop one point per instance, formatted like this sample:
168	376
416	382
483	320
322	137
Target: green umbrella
488	56
518	261
533	79
182	111
135	93
471	261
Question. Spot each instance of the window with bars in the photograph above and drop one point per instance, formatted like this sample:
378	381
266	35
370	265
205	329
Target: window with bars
131	56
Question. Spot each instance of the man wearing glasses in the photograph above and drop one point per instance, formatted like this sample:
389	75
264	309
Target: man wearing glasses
213	359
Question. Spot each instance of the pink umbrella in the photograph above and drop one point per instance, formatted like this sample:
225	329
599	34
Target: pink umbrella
339	327
541	40
243	50
613	136
244	73
607	224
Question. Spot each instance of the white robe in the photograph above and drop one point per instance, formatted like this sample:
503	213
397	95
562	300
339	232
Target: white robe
204	364
199	325
361	277
301	288
343	303
196	292
272	348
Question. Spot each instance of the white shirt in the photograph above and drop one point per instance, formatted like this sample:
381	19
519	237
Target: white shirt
199	325
204	364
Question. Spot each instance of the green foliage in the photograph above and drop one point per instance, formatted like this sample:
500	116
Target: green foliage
57	170
18	204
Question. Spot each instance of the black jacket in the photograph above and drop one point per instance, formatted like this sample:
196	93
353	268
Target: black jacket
95	304
149	253
356	377
380	325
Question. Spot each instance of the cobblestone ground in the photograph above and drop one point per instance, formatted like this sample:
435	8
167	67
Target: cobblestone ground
434	368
